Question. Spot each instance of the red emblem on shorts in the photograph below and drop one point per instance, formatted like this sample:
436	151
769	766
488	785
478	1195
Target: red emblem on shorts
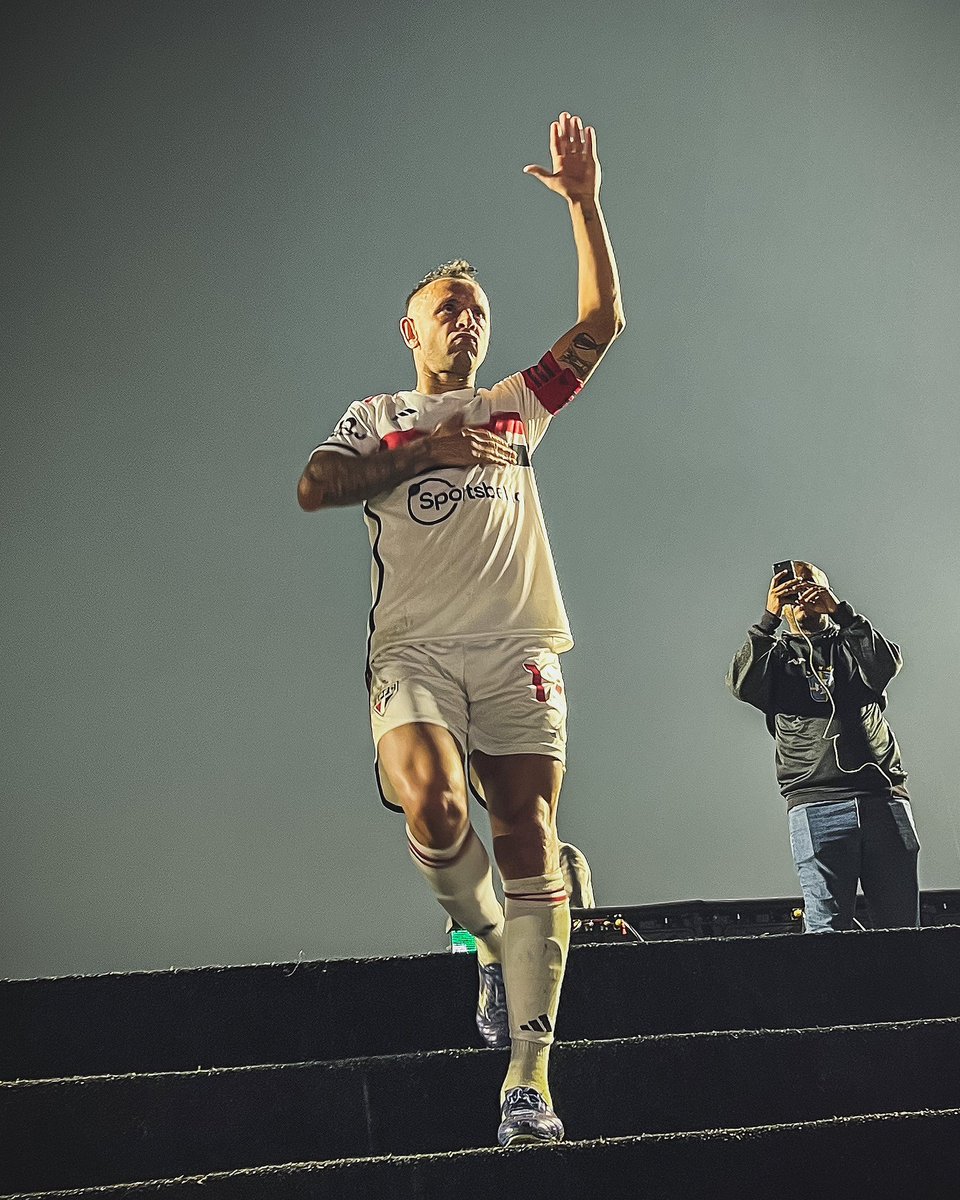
543	680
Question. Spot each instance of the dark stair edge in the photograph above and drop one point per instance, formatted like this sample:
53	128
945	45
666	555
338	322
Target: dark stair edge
106	1135
206	1017
566	1150
375	961
375	1061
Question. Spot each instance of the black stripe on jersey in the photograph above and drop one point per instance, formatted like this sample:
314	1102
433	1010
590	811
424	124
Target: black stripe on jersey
368	674
381	571
328	445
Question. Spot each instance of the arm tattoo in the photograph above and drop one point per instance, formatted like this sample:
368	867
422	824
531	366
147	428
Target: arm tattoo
335	480
585	344
574	360
583	341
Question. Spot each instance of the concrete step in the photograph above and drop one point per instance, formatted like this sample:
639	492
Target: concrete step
885	1156
98	1131
287	1013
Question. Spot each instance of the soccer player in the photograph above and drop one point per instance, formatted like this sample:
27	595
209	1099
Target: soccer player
468	621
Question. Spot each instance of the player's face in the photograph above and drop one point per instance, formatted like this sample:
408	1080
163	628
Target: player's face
451	321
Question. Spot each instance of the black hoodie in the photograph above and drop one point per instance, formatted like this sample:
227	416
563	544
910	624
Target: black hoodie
813	742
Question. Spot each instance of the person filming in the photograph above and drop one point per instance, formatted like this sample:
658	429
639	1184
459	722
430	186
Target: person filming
821	684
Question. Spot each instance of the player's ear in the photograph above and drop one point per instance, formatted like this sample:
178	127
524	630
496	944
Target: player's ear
408	331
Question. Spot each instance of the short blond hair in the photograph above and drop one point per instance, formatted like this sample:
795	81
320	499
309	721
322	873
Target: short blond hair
456	268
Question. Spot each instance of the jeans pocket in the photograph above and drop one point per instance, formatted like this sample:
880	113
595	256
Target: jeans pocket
903	816
801	843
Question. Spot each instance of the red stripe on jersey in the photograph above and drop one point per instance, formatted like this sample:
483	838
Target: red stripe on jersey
553	385
506	423
400	437
510	426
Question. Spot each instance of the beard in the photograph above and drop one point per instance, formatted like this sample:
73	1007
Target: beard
809	622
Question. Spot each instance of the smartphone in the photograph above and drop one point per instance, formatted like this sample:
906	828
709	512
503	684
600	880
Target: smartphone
784	566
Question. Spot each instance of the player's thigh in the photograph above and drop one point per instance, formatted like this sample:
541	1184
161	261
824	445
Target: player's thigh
521	792
424	766
418	717
518	787
517	738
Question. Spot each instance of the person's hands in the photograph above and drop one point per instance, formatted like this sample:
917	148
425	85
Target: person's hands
813	598
576	168
783	589
453	444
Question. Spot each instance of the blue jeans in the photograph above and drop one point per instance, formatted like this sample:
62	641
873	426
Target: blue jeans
838	843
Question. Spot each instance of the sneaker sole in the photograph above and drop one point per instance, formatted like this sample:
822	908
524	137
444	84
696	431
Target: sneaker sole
531	1139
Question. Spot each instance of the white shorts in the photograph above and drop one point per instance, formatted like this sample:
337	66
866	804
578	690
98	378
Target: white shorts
497	695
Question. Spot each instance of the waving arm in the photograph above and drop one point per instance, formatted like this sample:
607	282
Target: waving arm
576	177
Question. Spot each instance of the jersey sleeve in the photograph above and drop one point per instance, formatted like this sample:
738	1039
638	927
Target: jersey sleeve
355	432
537	395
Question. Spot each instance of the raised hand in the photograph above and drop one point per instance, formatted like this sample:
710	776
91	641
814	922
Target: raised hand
576	168
783	590
813	598
453	444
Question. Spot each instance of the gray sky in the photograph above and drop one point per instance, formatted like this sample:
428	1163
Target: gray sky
213	213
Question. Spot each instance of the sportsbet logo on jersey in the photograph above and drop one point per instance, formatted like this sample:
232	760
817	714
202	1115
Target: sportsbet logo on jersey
430	501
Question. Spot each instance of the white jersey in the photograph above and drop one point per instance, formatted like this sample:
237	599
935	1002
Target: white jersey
462	552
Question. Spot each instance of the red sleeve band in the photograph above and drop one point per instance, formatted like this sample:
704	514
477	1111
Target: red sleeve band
401	437
553	385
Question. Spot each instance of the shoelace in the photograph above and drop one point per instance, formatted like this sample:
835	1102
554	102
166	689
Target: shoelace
525	1098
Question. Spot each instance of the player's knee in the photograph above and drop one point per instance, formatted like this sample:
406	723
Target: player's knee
436	812
527	820
527	842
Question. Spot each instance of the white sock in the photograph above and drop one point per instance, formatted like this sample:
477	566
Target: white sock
461	879
536	938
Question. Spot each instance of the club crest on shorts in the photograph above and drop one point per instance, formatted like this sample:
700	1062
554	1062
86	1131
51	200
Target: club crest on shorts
382	697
